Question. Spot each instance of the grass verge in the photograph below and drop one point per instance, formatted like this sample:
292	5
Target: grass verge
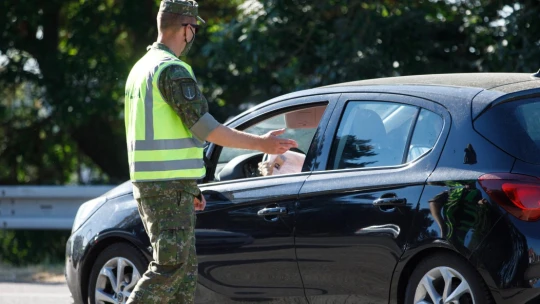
32	274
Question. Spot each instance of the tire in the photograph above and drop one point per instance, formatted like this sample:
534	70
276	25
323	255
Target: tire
131	261
450	266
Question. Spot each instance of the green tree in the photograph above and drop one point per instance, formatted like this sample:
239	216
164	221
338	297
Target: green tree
62	72
63	64
279	46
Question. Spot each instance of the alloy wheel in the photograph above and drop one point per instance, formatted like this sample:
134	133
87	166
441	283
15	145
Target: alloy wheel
116	281
443	285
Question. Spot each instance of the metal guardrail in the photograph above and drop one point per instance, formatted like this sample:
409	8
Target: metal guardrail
43	207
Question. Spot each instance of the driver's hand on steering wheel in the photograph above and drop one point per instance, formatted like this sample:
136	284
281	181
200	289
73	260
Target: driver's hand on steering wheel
265	168
272	144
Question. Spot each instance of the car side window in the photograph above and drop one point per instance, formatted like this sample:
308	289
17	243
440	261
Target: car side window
372	134
299	124
426	132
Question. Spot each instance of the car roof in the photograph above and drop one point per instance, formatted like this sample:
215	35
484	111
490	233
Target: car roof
458	89
486	81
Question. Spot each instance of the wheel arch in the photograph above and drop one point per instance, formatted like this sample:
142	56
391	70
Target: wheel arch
97	246
420	254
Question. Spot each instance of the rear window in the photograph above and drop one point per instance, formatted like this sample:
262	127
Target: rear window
514	127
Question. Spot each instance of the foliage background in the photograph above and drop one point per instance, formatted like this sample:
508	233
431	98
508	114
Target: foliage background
63	65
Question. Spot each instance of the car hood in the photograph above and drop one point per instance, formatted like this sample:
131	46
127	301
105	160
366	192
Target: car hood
122	189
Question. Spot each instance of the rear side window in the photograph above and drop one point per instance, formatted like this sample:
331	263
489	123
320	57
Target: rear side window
372	134
427	131
514	127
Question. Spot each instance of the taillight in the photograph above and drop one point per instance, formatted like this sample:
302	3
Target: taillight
518	194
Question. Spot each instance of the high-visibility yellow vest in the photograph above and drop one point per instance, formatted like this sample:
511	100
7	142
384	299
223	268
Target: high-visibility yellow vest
160	147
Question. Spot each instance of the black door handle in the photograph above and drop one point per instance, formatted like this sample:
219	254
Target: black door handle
390	201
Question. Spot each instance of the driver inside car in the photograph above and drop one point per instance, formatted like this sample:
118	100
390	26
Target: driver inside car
293	160
300	124
287	163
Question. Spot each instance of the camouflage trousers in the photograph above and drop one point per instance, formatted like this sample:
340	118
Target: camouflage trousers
168	217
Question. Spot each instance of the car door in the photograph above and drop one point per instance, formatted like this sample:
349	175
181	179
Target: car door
356	209
245	238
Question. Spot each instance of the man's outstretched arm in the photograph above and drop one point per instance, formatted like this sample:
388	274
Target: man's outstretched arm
195	116
268	143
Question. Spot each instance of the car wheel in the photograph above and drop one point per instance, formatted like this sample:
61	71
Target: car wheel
446	279
115	273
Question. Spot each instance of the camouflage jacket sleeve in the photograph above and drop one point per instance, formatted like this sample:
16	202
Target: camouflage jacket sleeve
181	92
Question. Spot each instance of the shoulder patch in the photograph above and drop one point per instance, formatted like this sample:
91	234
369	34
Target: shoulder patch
189	89
176	71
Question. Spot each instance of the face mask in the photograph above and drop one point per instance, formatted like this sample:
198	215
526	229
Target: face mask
188	44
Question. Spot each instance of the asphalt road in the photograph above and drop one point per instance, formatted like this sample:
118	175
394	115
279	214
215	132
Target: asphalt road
23	293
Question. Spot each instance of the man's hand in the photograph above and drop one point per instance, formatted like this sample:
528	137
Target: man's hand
199	205
272	144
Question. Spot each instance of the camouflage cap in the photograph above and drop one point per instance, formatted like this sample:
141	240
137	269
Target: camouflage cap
181	7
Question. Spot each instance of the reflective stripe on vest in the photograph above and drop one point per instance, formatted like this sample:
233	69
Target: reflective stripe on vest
160	147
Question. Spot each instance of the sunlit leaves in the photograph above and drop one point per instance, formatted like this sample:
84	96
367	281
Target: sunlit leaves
63	64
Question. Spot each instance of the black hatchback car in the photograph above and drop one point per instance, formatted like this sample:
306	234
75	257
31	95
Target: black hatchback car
420	189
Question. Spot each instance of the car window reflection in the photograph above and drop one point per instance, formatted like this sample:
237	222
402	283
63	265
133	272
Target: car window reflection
372	134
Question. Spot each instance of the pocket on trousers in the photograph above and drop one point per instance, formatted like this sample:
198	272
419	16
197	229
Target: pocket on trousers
173	243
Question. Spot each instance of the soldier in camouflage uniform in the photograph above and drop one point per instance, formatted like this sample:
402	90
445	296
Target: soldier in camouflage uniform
167	207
